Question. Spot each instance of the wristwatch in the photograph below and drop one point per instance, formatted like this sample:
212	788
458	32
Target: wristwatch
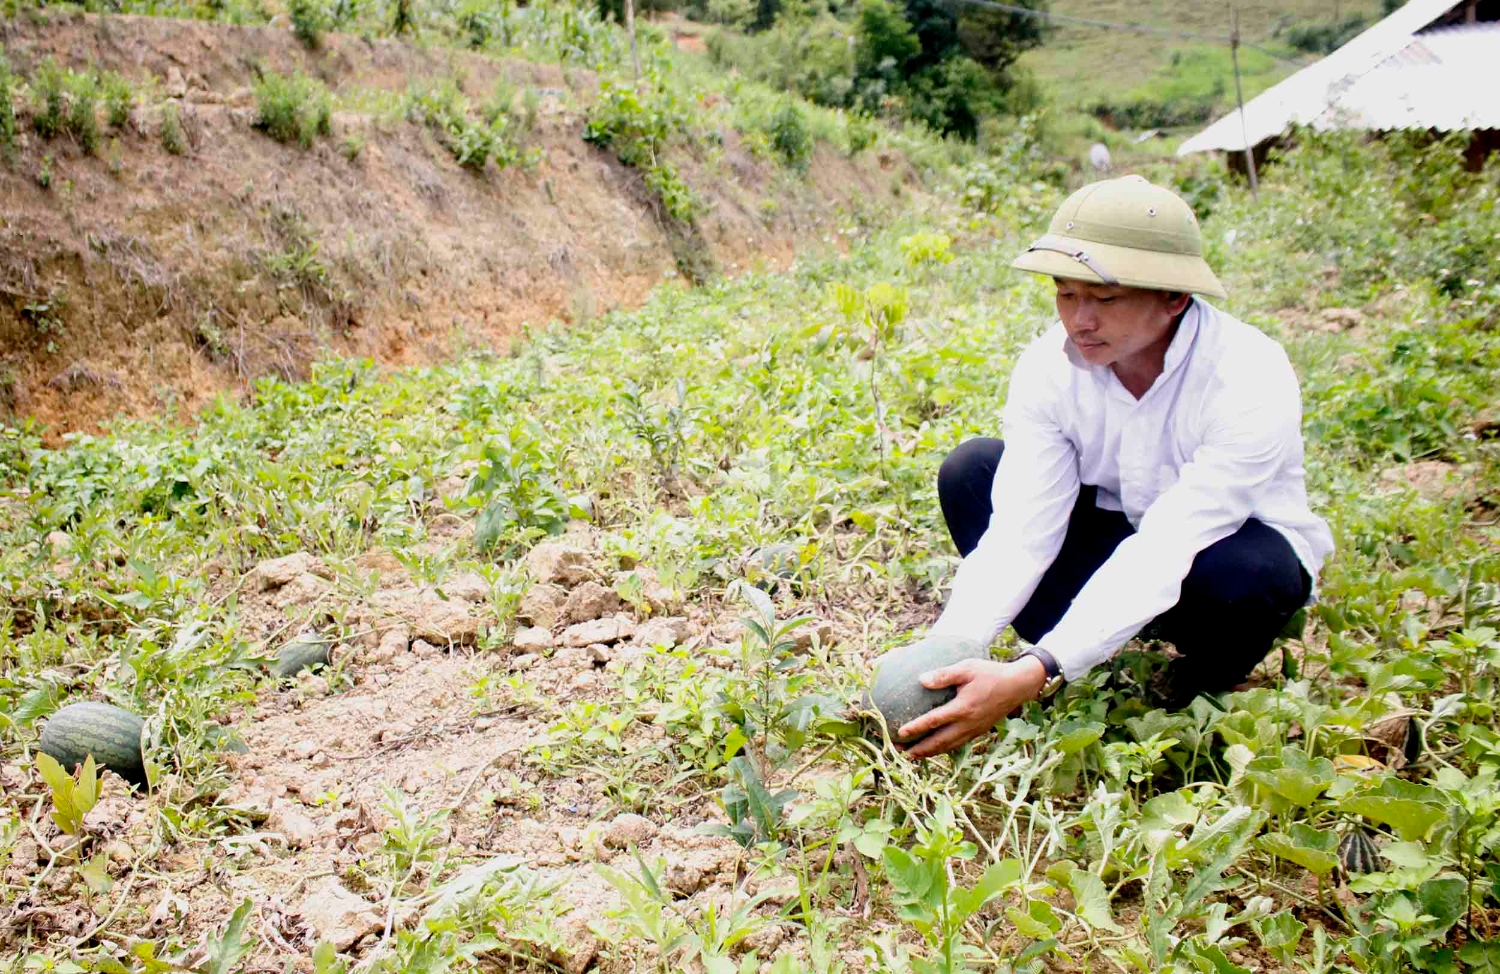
1055	679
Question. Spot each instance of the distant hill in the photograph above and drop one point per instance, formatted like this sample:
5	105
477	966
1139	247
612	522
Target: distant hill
1082	66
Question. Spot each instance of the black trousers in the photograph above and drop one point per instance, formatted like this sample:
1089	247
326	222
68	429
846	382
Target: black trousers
1238	596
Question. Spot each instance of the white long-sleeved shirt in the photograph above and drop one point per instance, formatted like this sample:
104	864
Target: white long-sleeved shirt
1215	441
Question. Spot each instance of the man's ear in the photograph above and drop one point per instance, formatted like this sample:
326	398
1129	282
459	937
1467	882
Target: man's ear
1177	302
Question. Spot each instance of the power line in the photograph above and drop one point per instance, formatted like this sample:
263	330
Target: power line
1110	25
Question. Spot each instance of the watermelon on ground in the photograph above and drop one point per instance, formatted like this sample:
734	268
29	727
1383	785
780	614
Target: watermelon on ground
111	734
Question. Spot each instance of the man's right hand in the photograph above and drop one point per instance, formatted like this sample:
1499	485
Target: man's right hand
988	692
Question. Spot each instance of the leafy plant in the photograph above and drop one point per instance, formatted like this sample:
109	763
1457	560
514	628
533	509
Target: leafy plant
118	98
73	795
516	492
292	108
173	139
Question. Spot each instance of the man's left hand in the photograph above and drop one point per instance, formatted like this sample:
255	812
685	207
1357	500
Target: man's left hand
988	692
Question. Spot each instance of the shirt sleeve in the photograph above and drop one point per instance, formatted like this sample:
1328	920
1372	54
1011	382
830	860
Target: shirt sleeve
1244	446
1035	486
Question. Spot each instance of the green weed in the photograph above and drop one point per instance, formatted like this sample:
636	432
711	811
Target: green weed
293	108
118	98
173	138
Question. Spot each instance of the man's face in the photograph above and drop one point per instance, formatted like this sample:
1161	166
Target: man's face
1111	323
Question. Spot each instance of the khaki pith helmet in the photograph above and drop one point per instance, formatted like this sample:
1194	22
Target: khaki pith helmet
1125	231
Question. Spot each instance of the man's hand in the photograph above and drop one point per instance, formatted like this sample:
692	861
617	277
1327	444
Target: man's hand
988	692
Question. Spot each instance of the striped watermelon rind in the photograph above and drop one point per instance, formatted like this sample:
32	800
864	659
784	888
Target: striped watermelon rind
1358	854
298	656
111	734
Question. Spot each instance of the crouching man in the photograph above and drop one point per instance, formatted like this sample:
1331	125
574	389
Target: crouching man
1150	476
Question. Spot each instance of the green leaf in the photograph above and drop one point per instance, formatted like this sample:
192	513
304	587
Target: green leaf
1445	899
1280	932
1079	737
1411	819
95	873
225	952
1310	848
1091	900
1027	925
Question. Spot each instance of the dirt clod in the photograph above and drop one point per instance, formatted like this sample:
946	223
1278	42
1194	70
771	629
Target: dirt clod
338	916
606	631
277	572
629	829
590	601
559	564
542	605
532	639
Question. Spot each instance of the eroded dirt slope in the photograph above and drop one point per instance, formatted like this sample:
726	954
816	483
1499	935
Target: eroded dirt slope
137	279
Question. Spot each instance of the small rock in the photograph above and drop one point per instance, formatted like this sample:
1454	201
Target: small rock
176	85
629	829
470	587
590	601
286	820
606	631
108	817
313	685
1339	319
277	572
765	940
542	605
424	649
562	564
338	916
525	661
302	590
242	97
669	631
599	654
582	681
445	622
320	760
803	636
532	639
371	561
393	643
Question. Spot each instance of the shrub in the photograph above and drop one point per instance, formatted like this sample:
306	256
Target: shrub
860	132
293	109
7	111
173	139
1325	38
83	115
472	142
118	97
789	136
309	19
47	99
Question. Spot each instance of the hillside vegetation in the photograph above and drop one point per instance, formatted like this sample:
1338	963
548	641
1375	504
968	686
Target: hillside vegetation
599	609
191	206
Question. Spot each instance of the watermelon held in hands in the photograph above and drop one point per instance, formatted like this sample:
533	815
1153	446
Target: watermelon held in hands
111	734
896	690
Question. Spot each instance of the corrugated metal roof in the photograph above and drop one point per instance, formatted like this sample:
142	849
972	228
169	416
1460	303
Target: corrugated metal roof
1446	79
1303	97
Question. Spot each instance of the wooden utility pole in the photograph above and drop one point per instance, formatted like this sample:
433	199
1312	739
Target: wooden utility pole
635	58
1239	96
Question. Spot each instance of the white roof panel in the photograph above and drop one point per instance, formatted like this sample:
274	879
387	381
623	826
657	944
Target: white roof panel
1306	95
1446	79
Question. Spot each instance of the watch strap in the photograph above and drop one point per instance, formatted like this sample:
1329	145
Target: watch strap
1050	667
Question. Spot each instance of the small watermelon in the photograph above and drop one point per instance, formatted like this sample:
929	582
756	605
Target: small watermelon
111	734
896	691
1357	853
299	655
